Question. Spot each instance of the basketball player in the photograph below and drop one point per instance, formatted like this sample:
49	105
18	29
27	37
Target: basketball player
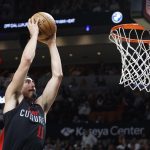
25	116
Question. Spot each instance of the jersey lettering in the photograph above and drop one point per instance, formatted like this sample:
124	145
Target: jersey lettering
33	116
40	133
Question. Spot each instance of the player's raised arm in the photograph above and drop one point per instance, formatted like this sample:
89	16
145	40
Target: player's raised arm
14	88
52	87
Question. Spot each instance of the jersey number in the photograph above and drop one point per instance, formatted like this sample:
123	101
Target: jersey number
40	133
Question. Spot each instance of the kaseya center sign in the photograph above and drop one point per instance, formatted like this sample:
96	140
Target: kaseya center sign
99	130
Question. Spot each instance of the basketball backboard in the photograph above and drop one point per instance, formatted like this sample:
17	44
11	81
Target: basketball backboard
140	12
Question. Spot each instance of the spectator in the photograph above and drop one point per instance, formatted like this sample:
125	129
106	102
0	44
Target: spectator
121	143
88	140
84	110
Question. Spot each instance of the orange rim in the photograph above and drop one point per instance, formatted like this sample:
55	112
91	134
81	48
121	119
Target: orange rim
129	26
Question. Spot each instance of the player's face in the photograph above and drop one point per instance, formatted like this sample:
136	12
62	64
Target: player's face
28	89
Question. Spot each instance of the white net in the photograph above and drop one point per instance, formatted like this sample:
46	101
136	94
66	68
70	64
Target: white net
135	57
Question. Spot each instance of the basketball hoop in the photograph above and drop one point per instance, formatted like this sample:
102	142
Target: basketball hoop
133	44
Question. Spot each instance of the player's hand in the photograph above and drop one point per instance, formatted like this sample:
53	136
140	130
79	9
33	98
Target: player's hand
33	27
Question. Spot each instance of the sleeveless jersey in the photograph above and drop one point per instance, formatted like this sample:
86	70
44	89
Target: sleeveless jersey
24	127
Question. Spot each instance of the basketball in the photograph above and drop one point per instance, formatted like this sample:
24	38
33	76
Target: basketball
47	25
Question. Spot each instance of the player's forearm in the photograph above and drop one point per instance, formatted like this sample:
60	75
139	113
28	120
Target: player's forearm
29	51
56	65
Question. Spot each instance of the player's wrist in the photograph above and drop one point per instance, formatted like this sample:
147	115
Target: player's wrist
35	35
52	44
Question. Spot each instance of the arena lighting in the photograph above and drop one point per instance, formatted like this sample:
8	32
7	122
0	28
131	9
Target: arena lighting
24	24
70	55
16	58
98	53
87	28
43	56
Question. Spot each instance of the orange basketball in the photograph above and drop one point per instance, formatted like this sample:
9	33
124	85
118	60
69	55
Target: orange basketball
47	25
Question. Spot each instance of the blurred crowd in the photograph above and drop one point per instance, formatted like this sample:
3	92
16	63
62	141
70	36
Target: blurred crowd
90	93
93	143
17	9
